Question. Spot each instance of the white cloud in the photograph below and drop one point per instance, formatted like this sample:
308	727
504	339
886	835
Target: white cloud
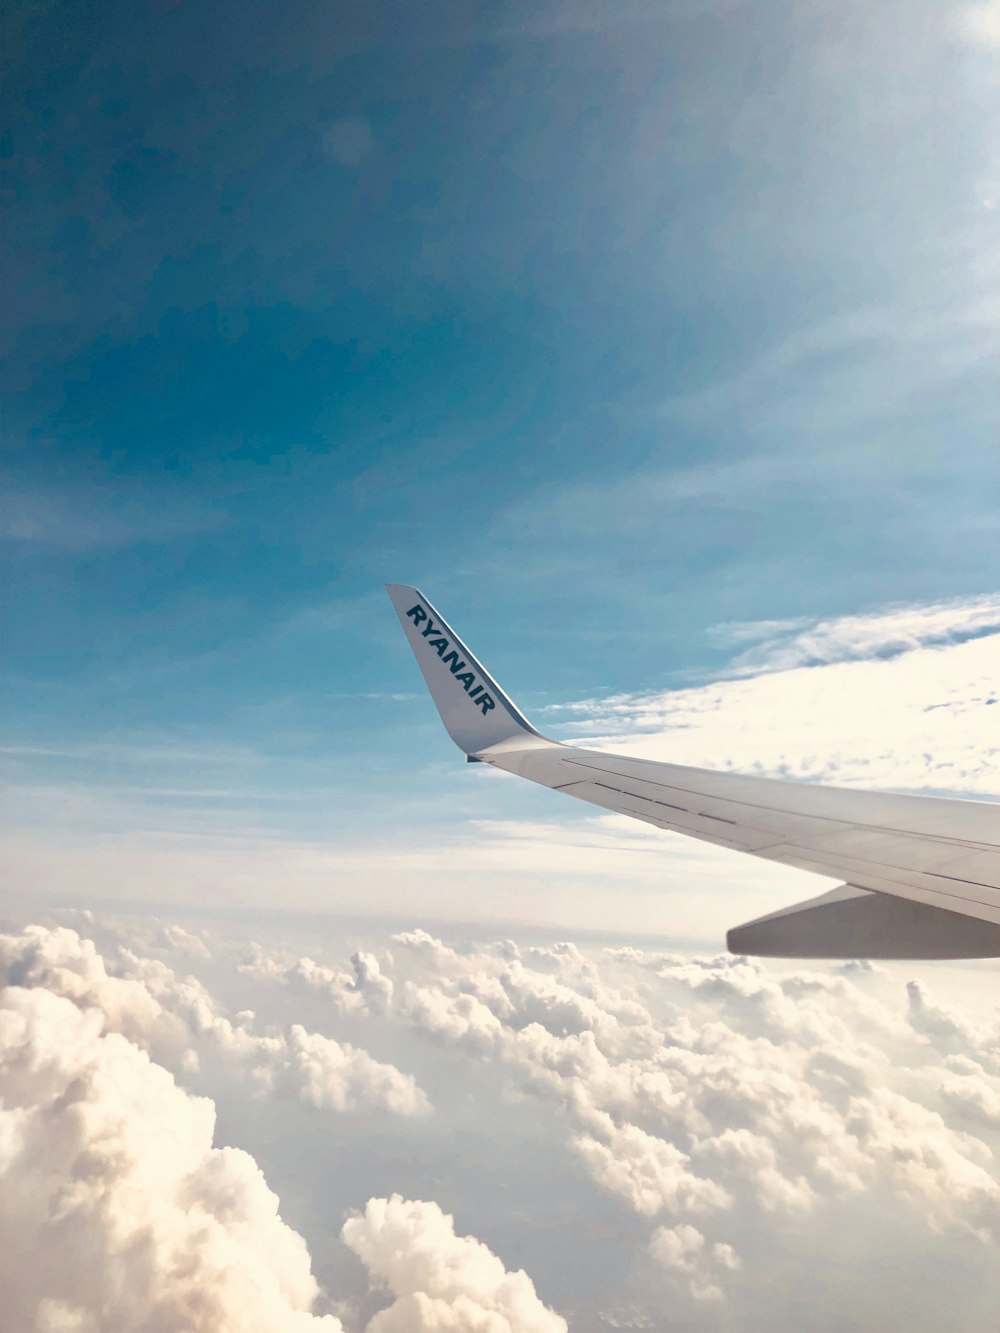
173	937
950	1030
683	1251
335	1076
116	1211
652	1174
177	1020
930	1164
923	717
364	989
441	1282
722	1099
62	962
973	1094
888	632
901	698
727	1126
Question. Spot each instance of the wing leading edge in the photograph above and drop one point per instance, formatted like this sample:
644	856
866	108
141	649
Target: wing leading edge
920	875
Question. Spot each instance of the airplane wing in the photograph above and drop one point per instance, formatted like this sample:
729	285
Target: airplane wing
919	875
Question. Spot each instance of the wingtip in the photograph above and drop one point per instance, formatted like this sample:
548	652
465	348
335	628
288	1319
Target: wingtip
400	590
476	712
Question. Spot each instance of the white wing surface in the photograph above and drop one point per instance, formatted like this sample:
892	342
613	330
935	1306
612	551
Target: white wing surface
919	876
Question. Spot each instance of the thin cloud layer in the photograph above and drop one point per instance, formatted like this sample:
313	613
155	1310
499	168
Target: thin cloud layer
980	24
905	699
876	634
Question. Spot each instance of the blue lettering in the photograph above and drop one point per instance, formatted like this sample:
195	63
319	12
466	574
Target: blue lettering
486	704
454	662
466	680
440	645
417	614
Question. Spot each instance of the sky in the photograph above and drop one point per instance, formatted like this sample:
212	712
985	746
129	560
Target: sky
608	326
658	344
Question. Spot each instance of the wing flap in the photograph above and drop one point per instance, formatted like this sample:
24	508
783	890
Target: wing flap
849	922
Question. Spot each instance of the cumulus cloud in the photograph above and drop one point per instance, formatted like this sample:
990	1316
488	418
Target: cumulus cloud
971	1093
177	1020
67	964
116	1211
364	989
335	1076
948	1029
683	1251
176	938
488	996
441	1282
732	1124
720	1099
651	1173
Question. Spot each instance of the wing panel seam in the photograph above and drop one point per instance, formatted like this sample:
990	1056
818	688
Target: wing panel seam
962	843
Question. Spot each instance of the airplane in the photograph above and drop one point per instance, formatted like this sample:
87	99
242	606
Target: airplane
921	874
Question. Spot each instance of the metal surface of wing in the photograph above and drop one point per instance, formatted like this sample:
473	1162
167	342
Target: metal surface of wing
849	922
932	852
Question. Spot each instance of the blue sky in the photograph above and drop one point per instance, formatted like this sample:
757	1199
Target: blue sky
657	341
605	324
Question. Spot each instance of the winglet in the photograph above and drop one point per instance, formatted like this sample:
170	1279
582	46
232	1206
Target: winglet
474	709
